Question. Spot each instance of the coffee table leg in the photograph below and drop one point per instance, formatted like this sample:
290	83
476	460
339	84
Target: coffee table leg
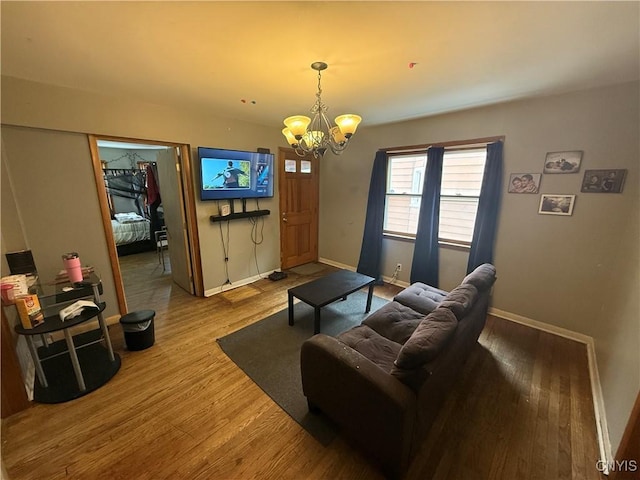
369	297
316	320
290	309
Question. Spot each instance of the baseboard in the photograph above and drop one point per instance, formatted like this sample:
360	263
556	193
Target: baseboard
389	280
336	264
604	442
236	284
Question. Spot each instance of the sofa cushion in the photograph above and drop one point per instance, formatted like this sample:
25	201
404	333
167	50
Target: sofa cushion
421	297
482	277
428	340
394	321
413	378
457	308
460	299
372	345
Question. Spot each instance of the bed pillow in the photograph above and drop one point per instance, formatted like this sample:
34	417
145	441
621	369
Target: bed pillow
130	217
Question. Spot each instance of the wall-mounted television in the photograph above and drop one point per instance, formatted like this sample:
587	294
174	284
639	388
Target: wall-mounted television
231	174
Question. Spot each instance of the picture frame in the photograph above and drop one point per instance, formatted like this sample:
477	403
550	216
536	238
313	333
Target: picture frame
524	183
603	180
556	204
563	162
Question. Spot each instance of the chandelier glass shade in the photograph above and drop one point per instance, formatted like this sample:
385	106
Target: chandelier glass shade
317	134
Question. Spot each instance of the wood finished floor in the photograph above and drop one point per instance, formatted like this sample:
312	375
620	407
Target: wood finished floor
182	410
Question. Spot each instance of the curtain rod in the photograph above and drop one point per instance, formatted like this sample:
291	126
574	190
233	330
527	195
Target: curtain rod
455	143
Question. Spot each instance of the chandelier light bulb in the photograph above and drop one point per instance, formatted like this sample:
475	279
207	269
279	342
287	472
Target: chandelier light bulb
297	125
290	137
348	123
313	138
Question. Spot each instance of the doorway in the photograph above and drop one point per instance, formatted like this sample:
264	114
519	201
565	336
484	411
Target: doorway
298	184
173	212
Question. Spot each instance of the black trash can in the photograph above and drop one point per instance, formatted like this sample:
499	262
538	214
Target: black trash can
138	329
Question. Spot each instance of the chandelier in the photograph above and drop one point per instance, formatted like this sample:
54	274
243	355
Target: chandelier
315	135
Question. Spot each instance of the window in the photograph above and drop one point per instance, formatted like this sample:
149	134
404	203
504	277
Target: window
462	172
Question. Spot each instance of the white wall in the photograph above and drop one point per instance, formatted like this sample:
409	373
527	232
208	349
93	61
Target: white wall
579	272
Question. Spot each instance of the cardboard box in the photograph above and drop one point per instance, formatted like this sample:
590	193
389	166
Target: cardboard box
29	310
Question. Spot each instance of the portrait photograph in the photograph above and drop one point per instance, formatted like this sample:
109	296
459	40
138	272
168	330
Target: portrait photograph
562	162
524	182
603	181
556	204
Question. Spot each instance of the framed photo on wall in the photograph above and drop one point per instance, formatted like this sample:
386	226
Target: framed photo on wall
524	182
603	181
563	162
556	204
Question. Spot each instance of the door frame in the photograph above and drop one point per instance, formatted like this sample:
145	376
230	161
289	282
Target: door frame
185	177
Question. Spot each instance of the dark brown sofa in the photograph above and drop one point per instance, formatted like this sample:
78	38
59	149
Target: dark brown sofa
383	382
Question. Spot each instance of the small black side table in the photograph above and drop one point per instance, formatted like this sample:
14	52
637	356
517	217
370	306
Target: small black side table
70	368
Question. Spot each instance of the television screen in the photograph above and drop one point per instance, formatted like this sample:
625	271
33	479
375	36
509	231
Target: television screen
231	174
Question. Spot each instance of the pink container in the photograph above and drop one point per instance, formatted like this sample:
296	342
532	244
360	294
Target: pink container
72	266
8	294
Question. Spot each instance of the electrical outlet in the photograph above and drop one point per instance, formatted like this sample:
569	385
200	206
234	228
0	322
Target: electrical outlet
399	267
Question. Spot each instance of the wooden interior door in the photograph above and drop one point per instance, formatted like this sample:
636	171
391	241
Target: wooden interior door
171	192
299	199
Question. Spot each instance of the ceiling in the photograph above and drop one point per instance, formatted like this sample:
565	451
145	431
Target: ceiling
388	61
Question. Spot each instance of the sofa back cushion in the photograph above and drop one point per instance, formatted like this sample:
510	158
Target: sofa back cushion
460	299
483	277
428	339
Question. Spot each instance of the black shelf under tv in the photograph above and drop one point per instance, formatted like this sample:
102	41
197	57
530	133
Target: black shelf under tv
234	216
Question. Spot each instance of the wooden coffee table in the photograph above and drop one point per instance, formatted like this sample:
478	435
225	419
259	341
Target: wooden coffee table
323	291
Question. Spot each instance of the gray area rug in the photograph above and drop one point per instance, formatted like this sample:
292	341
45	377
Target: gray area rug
308	268
268	351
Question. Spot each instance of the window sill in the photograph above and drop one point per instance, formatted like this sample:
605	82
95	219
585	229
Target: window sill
442	243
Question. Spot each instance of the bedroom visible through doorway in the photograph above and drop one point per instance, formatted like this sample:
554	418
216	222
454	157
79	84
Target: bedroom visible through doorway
144	214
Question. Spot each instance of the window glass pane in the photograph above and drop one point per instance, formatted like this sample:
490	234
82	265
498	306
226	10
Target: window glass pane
457	218
290	166
461	184
406	174
305	166
401	214
462	172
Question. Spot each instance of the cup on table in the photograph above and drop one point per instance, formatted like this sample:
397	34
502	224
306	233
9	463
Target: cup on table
72	265
8	294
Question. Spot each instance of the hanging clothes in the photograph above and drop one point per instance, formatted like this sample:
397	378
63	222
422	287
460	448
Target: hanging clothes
153	189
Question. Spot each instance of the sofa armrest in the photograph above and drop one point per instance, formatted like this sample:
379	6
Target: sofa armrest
372	407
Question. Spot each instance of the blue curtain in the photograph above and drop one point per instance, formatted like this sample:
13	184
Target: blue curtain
424	267
484	233
371	252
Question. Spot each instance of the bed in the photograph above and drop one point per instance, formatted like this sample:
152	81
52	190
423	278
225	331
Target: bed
130	227
130	223
132	235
